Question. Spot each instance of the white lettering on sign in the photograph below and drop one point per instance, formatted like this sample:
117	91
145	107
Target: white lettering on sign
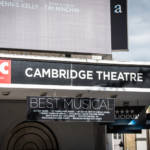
83	74
59	73
4	68
117	9
120	76
86	104
28	72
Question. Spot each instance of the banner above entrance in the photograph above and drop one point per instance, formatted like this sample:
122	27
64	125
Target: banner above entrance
70	109
74	74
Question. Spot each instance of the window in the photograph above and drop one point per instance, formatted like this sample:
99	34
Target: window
119	136
115	136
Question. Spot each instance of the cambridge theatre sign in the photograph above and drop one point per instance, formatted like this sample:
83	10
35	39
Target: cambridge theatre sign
72	74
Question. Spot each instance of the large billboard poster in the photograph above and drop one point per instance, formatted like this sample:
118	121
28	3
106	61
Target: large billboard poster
81	26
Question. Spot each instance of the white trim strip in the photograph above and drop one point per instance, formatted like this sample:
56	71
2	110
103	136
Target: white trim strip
75	88
63	59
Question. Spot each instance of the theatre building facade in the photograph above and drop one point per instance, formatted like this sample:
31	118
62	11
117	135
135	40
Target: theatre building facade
68	103
59	88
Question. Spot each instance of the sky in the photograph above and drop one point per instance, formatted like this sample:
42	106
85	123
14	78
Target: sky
138	32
